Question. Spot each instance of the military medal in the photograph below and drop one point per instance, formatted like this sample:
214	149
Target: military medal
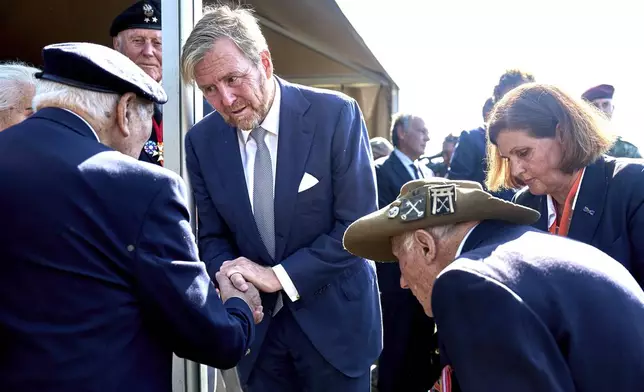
155	149
444	383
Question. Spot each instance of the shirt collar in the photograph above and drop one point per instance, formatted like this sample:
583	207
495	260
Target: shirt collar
272	120
460	247
86	123
403	158
552	211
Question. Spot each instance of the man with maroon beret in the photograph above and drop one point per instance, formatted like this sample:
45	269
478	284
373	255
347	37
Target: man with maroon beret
601	97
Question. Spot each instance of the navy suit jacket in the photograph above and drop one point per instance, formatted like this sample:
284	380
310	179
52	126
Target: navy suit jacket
391	175
523	310
321	133
469	160
91	297
609	213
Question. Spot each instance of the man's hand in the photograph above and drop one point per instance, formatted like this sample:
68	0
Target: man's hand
241	271
250	296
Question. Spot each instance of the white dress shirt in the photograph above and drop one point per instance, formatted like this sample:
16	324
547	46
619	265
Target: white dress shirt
552	210
407	162
248	149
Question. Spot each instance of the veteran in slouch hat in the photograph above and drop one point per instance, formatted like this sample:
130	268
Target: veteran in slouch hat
501	291
429	203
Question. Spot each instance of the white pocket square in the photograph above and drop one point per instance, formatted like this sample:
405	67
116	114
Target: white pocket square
308	181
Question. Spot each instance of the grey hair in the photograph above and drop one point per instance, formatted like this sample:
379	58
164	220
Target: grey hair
400	120
14	77
438	232
221	21
98	106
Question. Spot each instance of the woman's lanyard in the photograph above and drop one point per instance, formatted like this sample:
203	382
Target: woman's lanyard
561	225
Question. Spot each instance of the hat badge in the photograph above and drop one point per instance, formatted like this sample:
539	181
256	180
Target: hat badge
443	199
148	11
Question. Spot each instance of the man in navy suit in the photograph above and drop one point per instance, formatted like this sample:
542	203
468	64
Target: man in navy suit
101	280
469	161
278	173
516	309
406	360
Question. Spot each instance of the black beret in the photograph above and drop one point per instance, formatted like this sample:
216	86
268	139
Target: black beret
98	68
145	14
603	91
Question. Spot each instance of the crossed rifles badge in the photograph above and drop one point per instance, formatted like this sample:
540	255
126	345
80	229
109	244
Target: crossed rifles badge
442	202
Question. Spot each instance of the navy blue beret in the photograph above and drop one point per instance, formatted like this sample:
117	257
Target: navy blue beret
145	14
98	68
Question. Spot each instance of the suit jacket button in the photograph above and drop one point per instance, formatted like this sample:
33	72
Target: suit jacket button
247	351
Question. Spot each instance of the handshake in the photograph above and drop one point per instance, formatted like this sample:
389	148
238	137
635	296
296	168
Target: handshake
244	279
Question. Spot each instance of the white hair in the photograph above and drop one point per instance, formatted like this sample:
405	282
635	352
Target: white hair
15	78
101	107
438	232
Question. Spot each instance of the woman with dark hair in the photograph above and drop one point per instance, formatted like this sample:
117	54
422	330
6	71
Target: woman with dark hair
554	145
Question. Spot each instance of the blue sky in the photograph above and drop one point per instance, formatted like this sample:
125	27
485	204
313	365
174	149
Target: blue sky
447	56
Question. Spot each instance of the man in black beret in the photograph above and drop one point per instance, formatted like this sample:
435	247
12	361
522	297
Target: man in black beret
136	33
101	280
601	97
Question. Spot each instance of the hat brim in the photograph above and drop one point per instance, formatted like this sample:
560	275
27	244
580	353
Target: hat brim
370	236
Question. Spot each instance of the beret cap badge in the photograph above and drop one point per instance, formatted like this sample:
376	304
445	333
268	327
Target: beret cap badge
148	10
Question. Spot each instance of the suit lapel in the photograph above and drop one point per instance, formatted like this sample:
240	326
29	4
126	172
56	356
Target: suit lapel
590	201
294	144
400	169
231	175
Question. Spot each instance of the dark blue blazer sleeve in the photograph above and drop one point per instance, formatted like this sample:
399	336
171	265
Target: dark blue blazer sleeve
493	340
636	234
176	291
215	238
354	195
466	163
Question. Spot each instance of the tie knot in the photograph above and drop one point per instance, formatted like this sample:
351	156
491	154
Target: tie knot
258	134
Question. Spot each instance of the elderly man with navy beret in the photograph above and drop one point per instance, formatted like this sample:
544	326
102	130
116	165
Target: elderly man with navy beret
516	309
101	280
136	33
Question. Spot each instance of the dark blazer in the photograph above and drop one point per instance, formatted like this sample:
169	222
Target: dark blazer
391	175
609	213
469	160
523	310
91	297
406	362
321	133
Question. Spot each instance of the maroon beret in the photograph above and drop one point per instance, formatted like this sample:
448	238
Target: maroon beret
602	91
